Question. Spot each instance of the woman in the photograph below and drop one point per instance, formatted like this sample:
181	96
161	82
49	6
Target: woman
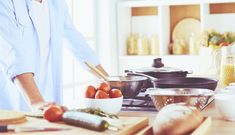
35	30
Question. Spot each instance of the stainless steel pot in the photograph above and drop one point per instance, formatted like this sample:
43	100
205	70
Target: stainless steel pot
129	85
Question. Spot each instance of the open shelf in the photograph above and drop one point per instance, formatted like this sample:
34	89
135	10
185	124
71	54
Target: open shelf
160	17
221	8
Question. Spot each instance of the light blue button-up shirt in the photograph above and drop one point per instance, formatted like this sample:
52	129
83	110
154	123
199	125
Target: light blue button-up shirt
21	49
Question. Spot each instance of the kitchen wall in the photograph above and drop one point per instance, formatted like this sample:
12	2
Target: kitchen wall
106	34
96	21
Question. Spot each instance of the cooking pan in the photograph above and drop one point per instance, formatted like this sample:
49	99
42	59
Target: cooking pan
181	82
186	82
130	85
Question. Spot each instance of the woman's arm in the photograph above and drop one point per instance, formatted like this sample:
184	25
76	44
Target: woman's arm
26	83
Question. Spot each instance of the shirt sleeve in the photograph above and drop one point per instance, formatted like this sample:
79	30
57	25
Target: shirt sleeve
77	43
18	36
7	54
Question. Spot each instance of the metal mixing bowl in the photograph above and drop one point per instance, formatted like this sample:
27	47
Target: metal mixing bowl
190	96
129	85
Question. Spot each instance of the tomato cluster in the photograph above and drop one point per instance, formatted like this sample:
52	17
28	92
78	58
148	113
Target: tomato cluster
103	91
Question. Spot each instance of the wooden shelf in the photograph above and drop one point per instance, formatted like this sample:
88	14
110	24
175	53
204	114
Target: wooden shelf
222	8
144	11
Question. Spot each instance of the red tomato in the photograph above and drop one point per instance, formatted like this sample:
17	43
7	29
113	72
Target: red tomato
104	87
114	93
101	94
90	92
53	113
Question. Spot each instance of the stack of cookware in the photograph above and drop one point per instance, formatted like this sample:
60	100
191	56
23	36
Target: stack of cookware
159	76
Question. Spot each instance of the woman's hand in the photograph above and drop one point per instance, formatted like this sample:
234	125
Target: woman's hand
43	105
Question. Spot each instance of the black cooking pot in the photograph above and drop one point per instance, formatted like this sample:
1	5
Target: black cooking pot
158	70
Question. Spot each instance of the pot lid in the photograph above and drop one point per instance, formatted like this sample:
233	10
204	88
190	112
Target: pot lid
154	69
157	66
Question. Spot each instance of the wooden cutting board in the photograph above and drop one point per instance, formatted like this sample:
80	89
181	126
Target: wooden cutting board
11	117
132	126
200	130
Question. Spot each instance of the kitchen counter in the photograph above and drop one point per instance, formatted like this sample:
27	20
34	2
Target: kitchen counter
218	126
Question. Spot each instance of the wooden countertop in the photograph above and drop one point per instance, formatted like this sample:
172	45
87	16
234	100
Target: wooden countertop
219	126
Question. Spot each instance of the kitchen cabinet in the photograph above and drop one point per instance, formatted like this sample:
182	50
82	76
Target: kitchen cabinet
159	17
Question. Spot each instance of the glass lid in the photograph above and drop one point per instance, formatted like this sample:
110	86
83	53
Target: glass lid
157	66
153	69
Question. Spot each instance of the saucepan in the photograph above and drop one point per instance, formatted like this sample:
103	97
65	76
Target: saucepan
130	85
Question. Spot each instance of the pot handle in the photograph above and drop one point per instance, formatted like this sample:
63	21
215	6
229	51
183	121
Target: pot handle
140	74
189	72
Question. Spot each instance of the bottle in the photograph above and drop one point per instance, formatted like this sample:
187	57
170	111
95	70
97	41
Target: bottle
192	47
179	47
143	45
227	73
146	46
154	45
139	45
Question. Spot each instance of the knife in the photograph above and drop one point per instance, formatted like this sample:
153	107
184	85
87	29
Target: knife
6	128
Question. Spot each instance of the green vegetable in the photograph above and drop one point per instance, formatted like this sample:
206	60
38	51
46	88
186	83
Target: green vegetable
97	112
229	37
216	39
85	120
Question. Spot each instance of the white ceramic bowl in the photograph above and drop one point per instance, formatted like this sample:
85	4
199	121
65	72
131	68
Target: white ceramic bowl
225	104
108	105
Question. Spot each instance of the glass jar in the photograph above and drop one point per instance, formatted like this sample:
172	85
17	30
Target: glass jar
132	44
227	73
143	45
